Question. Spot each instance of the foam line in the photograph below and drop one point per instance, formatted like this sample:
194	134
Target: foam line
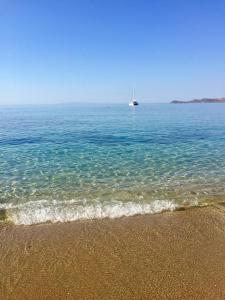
44	211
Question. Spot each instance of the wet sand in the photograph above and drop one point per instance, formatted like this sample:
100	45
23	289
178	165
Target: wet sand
178	255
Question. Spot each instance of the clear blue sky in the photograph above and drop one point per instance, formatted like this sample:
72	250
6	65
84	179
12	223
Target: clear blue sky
55	51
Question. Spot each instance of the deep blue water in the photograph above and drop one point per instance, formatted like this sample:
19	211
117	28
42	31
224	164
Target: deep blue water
65	162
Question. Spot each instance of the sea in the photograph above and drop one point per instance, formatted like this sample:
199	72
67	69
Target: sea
61	163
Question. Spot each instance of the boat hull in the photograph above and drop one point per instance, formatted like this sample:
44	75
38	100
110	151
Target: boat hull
133	103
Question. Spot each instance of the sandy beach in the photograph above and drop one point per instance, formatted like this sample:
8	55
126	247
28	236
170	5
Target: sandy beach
177	255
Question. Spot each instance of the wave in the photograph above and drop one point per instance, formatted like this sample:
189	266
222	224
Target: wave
36	212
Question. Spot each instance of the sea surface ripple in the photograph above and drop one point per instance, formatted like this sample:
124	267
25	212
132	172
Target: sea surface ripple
69	162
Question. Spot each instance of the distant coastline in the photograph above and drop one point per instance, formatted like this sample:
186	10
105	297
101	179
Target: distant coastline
203	100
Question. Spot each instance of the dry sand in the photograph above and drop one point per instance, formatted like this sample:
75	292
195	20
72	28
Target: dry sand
179	255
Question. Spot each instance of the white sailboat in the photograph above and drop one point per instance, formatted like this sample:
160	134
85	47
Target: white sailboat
133	101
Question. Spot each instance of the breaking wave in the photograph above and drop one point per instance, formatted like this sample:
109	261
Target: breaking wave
35	212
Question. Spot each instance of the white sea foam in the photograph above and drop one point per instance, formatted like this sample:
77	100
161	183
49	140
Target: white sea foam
44	211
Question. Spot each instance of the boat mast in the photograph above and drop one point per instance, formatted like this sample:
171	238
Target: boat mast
133	98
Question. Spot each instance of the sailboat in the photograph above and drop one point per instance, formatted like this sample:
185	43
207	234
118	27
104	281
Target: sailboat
133	101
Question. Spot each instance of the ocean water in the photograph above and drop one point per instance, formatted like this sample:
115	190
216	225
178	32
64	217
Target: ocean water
69	162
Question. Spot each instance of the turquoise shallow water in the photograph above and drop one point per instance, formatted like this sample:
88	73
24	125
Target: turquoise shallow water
67	162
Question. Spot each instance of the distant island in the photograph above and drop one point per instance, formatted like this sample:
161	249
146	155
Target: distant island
204	100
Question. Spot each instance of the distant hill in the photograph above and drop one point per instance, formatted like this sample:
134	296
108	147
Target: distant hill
204	100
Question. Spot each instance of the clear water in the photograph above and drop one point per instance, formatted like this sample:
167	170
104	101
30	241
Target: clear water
61	163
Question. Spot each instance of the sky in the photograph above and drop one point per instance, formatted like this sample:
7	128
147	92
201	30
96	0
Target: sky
54	51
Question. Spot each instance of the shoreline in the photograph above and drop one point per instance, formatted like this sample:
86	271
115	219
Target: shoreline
42	212
174	255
